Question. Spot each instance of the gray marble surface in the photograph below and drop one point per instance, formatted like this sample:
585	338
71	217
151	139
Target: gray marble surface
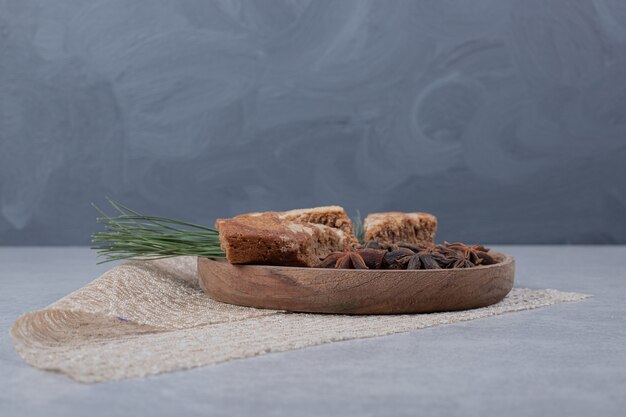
568	359
192	109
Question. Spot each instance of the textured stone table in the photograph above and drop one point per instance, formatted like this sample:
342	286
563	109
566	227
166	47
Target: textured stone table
568	359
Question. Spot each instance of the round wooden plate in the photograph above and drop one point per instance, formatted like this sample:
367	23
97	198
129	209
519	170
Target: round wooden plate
350	291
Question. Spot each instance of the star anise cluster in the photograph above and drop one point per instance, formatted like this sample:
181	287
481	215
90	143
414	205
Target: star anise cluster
383	255
361	258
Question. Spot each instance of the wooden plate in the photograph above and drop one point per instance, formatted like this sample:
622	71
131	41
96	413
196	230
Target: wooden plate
349	291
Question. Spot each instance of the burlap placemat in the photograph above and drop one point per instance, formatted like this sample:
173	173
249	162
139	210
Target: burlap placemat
144	318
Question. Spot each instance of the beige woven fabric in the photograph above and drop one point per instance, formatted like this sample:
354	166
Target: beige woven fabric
144	318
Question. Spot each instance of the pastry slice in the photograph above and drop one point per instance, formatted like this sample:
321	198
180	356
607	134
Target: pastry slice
332	216
266	238
395	227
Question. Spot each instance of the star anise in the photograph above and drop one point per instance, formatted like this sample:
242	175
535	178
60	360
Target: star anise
397	259
415	256
371	244
470	255
485	257
347	259
463	263
330	261
373	257
416	247
351	260
427	258
377	244
446	258
423	261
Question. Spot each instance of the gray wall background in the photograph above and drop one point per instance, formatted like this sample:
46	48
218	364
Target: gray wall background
507	119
